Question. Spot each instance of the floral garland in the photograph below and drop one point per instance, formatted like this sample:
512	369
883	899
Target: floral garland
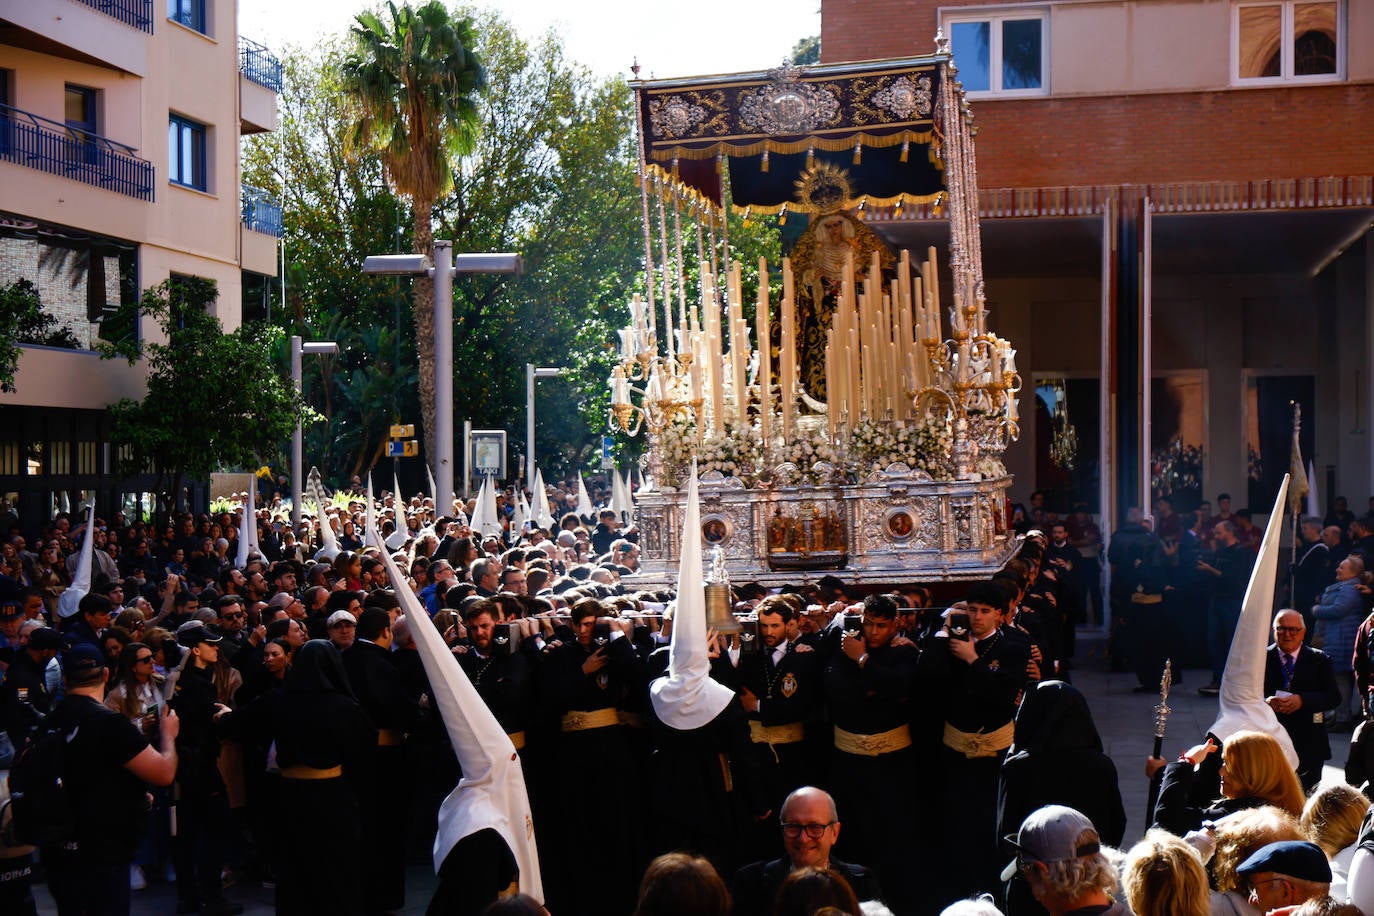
924	444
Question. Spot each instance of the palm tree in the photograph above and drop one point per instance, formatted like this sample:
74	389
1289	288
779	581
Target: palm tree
415	80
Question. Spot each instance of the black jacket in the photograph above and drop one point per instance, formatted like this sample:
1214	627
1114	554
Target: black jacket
1315	681
756	885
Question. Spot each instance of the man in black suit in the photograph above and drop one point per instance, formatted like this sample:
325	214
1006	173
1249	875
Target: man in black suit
810	827
1300	685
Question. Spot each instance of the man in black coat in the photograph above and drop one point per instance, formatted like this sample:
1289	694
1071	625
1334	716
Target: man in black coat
1299	685
810	827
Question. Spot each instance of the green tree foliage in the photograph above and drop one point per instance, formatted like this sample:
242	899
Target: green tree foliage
806	51
23	321
214	400
414	78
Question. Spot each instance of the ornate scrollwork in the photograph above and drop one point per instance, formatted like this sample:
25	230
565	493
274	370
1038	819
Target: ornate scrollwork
903	98
788	106
675	116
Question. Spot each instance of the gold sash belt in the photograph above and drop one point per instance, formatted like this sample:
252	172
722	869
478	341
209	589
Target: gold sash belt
580	720
518	739
873	745
973	745
389	737
788	733
304	772
632	719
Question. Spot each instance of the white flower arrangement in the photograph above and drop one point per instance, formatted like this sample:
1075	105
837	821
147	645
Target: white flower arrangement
810	443
732	452
990	467
923	444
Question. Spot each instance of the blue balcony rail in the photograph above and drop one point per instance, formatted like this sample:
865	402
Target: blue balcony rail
260	211
27	139
136	13
259	64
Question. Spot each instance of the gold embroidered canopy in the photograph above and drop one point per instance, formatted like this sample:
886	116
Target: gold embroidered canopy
876	120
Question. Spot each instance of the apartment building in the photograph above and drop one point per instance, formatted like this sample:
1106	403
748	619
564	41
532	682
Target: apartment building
120	123
1176	198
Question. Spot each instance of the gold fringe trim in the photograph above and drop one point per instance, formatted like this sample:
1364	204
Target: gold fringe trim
805	145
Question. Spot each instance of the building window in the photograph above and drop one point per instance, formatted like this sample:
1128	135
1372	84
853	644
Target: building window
1000	54
190	13
186	153
1288	40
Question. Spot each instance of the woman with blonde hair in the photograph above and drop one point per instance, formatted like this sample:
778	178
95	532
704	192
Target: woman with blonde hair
1252	771
1237	838
1332	820
1163	876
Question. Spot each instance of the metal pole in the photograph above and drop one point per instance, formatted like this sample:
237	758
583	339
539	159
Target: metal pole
529	423
467	459
296	445
443	372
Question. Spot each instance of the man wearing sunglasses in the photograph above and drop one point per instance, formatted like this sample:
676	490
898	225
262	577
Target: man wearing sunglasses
1300	685
810	827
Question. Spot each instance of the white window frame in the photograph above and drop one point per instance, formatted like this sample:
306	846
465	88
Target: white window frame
995	17
1286	41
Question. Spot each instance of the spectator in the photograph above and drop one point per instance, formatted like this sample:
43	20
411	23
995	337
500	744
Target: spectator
1163	876
678	884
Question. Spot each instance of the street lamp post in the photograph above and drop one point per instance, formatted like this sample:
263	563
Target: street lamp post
531	373
316	348
445	265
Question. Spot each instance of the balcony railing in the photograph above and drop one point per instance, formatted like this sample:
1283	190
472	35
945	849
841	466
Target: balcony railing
136	13
259	65
260	211
27	139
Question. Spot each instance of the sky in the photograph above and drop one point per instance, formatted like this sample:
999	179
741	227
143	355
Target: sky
693	38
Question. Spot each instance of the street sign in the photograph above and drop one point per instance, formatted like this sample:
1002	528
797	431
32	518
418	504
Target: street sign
607	456
406	431
407	448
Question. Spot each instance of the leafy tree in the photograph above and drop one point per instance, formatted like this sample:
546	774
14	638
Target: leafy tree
806	51
415	81
23	321
213	398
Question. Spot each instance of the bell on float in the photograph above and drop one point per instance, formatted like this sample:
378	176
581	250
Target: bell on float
720	605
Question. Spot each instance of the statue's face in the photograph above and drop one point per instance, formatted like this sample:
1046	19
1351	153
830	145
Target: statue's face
834	229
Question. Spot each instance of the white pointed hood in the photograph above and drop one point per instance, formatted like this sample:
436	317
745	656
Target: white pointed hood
248	530
486	520
686	697
522	513
329	543
492	792
1242	684
68	602
584	502
433	489
372	537
542	516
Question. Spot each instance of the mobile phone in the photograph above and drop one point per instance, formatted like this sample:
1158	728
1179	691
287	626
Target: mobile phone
505	639
958	626
853	623
749	641
601	633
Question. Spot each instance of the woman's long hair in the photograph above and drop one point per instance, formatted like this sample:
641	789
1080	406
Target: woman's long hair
1333	816
130	705
1163	876
1256	767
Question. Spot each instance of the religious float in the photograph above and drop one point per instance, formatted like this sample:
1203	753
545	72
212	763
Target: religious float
860	429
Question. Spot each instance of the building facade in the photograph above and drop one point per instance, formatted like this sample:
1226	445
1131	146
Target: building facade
1176	198
120	124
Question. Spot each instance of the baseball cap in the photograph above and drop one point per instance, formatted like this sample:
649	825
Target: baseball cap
194	635
45	638
82	659
1293	858
1053	833
341	617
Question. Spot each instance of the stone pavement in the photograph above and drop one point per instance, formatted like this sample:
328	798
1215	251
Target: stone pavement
1125	720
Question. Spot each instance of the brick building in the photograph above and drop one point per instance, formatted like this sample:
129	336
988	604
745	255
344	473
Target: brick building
1172	190
120	124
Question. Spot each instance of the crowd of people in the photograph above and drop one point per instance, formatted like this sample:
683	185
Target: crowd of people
273	722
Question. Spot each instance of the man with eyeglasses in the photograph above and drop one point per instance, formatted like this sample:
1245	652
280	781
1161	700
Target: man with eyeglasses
1300	685
810	827
1286	874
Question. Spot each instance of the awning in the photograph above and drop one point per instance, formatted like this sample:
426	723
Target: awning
873	120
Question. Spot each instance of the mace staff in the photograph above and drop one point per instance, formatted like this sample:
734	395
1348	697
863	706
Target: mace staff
1161	721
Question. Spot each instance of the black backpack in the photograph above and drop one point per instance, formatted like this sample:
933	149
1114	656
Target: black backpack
40	807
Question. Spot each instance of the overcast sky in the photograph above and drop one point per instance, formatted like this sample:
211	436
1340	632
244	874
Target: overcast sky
701	36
